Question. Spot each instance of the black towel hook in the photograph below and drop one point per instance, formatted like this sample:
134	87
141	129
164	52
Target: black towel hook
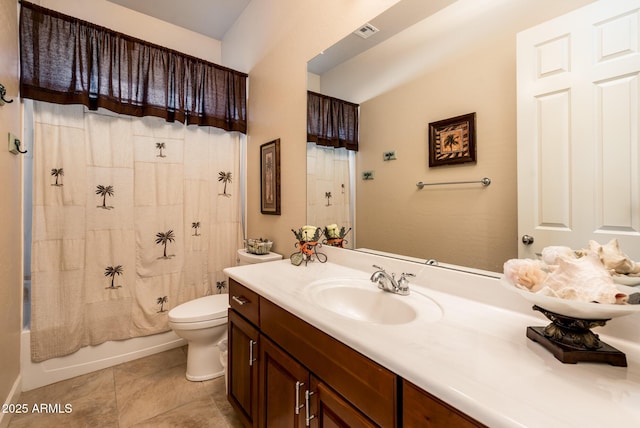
16	142
3	92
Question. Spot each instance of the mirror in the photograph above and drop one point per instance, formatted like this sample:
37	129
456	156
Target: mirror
456	58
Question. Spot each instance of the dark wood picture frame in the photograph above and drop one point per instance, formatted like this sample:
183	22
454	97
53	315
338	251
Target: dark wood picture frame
452	141
270	177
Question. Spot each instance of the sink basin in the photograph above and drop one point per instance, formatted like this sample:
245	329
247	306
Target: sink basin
362	300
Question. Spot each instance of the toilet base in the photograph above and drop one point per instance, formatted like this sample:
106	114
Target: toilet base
201	378
203	362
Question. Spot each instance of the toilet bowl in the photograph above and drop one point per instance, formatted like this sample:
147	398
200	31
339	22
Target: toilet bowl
202	323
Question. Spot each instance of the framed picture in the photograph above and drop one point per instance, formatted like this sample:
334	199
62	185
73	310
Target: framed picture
452	141
270	177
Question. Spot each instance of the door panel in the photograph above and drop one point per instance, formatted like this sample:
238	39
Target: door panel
330	410
243	370
280	375
578	129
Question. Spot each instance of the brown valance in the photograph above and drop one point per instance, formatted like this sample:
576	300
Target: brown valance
65	60
331	121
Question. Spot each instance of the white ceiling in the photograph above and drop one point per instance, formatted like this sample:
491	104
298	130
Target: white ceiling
213	18
392	21
209	17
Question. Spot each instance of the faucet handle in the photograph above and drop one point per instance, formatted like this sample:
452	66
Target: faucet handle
403	281
403	284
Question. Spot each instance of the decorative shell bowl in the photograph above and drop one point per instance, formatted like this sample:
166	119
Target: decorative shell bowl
573	308
258	246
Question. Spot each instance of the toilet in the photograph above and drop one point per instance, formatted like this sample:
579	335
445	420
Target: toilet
202	323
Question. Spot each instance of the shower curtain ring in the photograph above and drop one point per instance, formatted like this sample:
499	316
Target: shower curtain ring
3	92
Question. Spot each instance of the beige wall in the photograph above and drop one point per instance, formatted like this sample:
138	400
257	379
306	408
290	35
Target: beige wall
284	36
468	225
10	208
135	24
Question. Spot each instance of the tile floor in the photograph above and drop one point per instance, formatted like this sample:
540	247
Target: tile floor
149	392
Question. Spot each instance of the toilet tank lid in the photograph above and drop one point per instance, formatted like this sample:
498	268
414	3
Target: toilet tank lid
201	309
249	258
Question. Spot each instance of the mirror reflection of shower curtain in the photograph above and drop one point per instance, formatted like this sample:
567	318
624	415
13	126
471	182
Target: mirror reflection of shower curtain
329	183
131	217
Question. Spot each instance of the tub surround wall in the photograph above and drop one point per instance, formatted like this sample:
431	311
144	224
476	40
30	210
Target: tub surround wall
463	357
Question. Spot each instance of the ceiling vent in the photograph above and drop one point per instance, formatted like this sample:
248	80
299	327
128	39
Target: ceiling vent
366	31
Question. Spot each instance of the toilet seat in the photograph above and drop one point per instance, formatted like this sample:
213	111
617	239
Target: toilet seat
201	309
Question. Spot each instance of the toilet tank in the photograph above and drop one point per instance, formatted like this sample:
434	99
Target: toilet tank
245	258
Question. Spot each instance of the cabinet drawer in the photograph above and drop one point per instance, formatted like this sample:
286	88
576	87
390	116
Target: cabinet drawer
368	386
244	301
421	409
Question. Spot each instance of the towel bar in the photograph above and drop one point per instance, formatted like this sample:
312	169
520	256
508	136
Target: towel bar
485	182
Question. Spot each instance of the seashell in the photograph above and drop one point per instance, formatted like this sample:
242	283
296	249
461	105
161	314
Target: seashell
525	273
613	258
551	254
583	279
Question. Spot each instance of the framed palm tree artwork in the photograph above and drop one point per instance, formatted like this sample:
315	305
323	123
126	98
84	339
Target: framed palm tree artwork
270	177
452	141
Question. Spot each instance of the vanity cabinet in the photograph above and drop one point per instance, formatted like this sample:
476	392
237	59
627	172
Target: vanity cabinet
421	409
284	372
301	372
365	387
294	397
243	344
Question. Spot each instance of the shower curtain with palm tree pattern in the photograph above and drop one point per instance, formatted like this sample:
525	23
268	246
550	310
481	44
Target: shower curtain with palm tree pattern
131	217
329	175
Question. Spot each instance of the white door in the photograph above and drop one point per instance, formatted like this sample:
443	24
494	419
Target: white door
578	129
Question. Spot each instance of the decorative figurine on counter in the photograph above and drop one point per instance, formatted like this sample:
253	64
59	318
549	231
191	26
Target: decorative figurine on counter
335	237
308	242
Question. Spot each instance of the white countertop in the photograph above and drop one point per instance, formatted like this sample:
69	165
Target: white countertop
476	357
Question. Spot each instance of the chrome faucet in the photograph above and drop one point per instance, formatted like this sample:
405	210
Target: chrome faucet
388	282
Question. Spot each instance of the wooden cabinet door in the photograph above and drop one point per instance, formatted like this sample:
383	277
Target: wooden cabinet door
243	368
330	410
360	381
420	409
283	382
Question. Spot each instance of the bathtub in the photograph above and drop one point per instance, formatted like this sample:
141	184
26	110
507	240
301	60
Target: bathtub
90	358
